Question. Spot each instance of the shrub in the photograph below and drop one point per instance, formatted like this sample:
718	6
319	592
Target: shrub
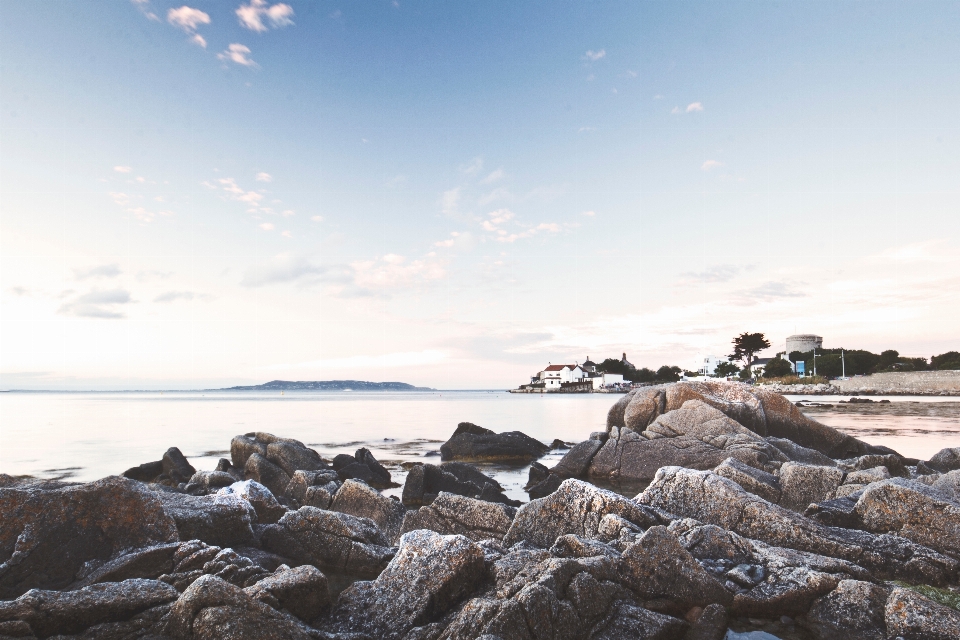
776	368
945	361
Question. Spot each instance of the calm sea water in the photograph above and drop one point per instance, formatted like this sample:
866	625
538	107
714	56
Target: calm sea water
84	436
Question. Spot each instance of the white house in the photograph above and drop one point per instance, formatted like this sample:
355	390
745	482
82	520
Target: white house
556	374
707	365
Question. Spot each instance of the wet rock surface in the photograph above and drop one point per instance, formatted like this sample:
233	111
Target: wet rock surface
755	517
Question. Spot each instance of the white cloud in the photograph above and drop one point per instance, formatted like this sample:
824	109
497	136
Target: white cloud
267	226
493	176
589	214
448	242
97	304
199	39
122	169
281	269
630	74
317	218
257	15
474	167
711	275
187	18
694	106
286	213
497	218
101	271
497	194
593	56
263	176
144	7
239	54
658	97
173	296
450	200
711	164
230	185
393	271
675	110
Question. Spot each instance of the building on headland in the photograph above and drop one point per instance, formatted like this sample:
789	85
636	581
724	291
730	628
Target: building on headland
574	378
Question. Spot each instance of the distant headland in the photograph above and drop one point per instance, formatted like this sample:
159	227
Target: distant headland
329	385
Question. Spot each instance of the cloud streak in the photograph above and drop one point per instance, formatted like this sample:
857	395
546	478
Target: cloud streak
259	16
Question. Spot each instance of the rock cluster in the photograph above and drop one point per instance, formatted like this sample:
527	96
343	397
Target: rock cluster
752	517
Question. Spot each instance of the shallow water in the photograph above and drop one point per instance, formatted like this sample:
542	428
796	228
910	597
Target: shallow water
84	436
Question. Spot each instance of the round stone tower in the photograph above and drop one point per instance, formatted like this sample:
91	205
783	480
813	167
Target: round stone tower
803	343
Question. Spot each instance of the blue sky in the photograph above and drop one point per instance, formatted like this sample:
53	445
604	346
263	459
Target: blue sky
453	194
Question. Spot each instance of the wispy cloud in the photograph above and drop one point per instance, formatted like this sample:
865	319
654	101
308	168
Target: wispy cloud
230	185
267	226
145	9
711	275
263	176
174	296
122	169
282	269
694	106
97	304
474	167
493	176
589	214
711	164
449	201
392	271
772	289
259	16
593	56
101	271
239	54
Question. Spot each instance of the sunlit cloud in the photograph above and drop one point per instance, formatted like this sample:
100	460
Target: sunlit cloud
122	169
493	176
593	56
175	296
238	53
259	16
187	18
694	106
267	226
263	176
710	164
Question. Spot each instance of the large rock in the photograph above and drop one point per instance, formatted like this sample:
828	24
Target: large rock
312	488
578	508
913	510
302	591
803	455
329	540
453	514
288	454
425	481
472	443
767	581
469	473
259	469
696	436
656	566
576	462
195	558
213	609
805	484
223	520
65	612
428	576
852	611
756	481
362	466
945	460
629	621
712	499
266	506
171	470
359	499
149	562
911	616
766	413
47	536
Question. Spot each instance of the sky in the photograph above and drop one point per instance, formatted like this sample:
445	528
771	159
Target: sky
454	194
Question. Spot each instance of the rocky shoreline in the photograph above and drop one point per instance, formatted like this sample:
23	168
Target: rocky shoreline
748	516
906	383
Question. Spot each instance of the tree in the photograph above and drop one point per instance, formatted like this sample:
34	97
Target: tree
669	374
945	361
746	346
725	369
777	368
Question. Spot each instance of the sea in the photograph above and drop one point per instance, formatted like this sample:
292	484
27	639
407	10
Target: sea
81	436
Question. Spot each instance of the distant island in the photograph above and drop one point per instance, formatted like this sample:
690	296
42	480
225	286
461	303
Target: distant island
329	385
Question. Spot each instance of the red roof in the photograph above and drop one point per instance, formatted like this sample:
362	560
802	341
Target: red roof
558	367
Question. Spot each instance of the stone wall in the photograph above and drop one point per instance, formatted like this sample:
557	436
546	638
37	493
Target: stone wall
903	383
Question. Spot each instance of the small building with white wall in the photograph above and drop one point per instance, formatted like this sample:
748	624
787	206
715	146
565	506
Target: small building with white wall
707	365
